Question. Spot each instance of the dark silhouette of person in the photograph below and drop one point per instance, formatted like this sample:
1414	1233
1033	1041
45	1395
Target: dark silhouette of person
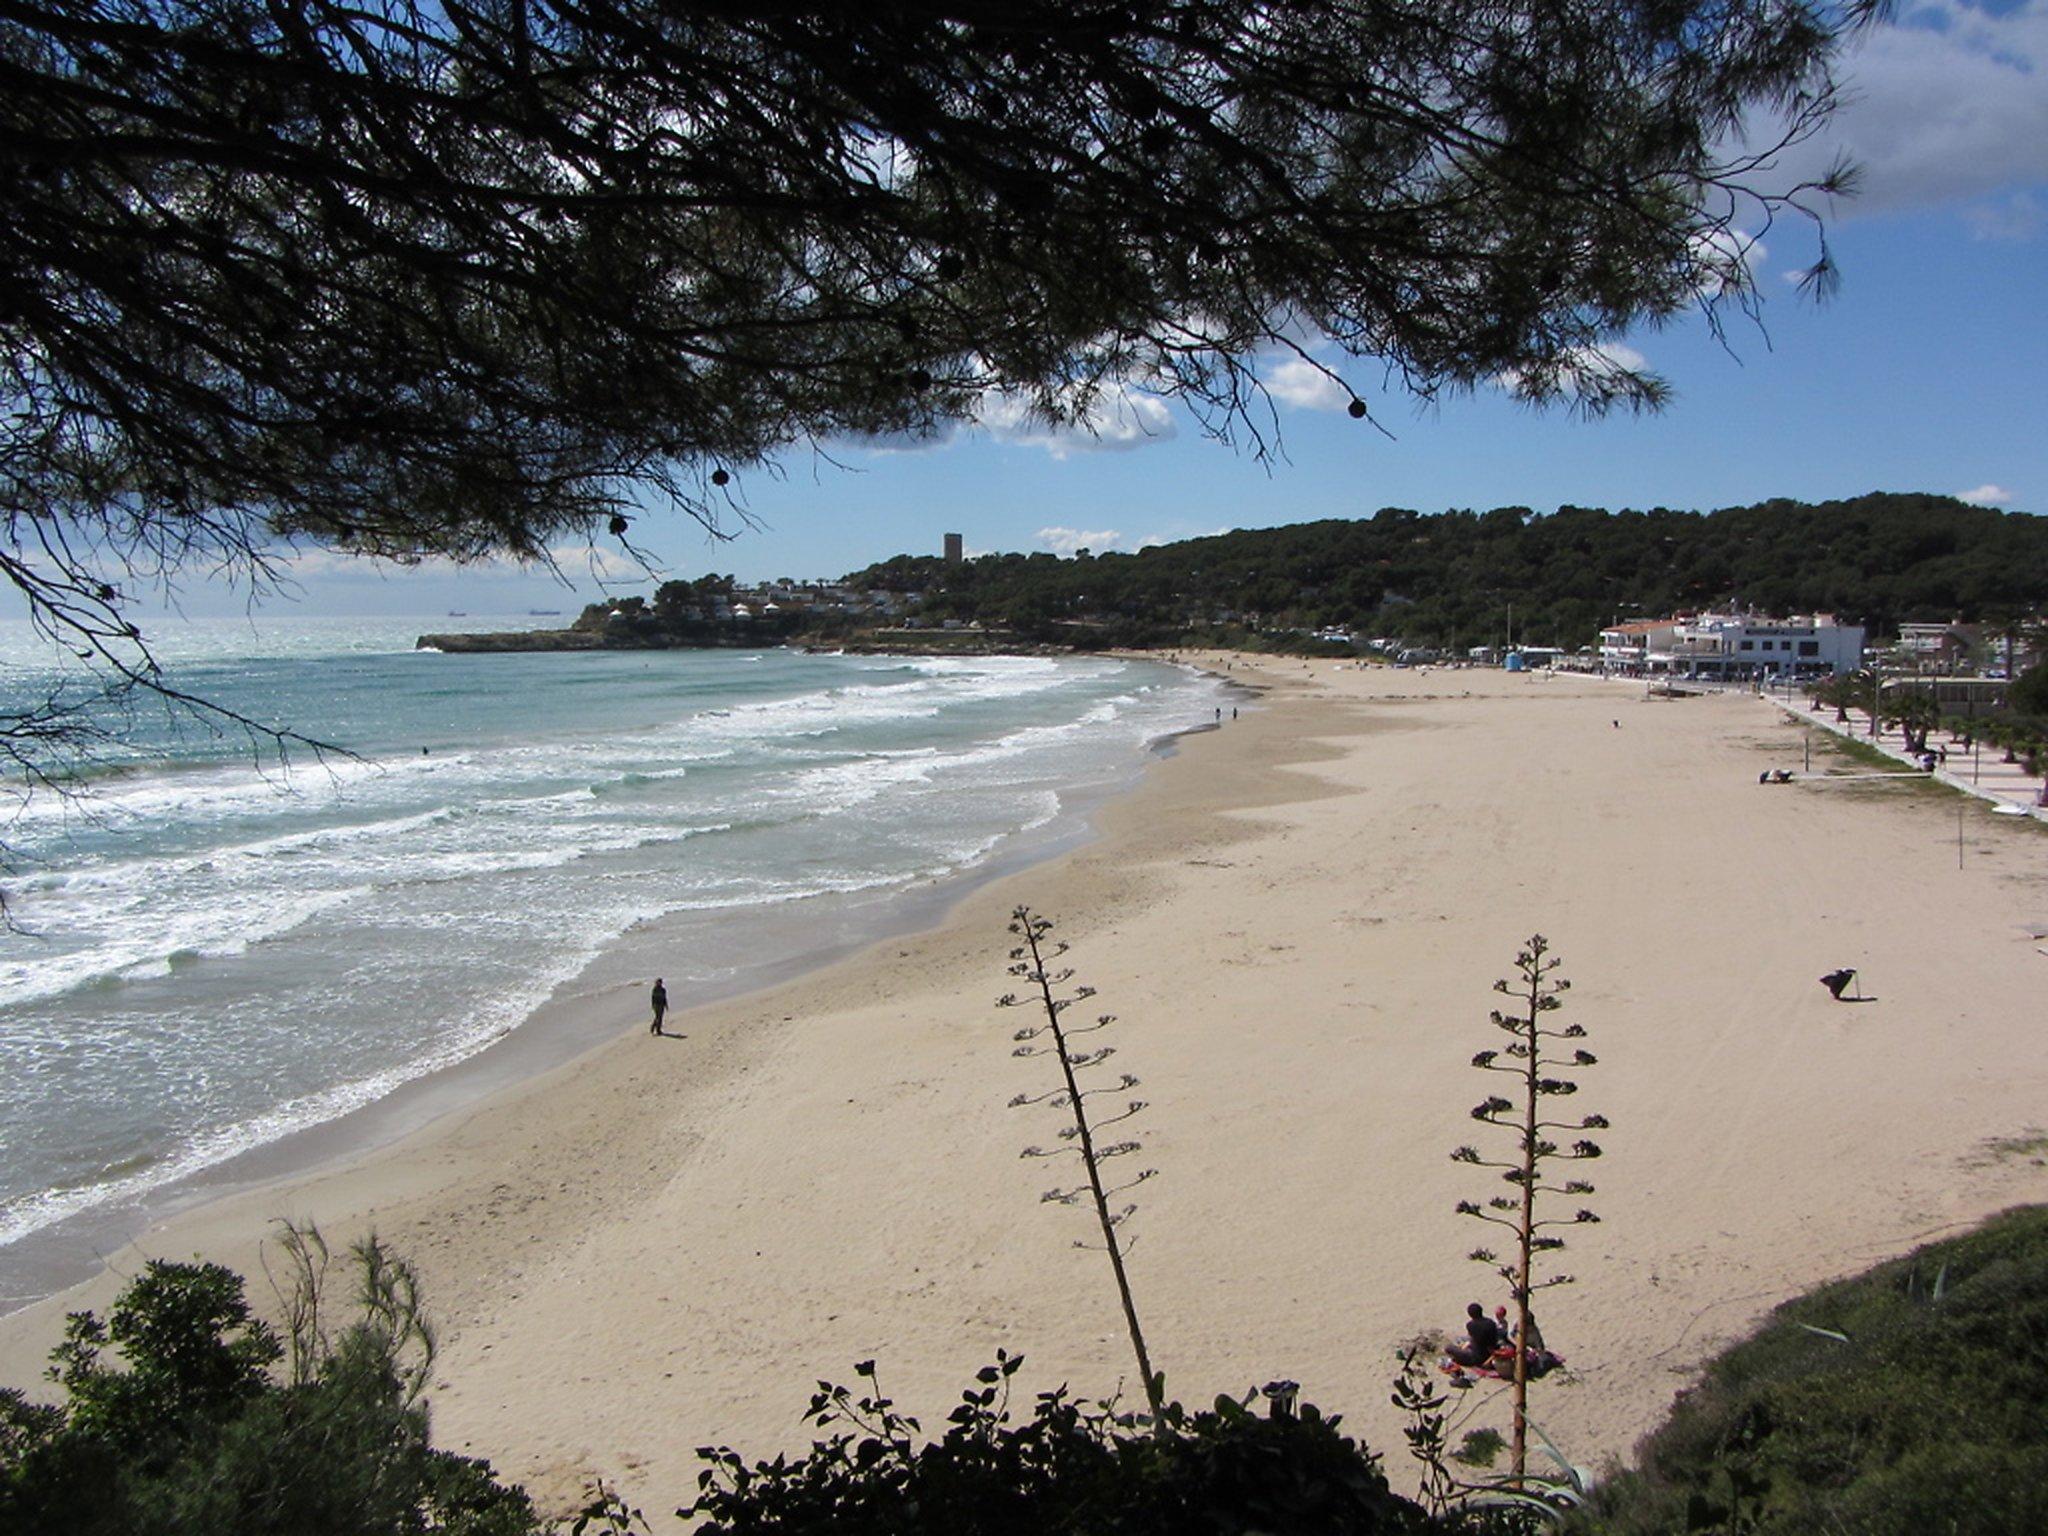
1837	982
1482	1335
660	1001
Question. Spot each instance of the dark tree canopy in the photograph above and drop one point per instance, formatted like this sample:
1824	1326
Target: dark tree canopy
1446	579
479	277
465	277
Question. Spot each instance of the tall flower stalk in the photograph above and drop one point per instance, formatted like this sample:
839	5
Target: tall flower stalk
1533	1056
1035	962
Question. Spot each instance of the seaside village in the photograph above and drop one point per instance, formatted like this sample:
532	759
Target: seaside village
1720	646
1710	647
1700	647
1745	647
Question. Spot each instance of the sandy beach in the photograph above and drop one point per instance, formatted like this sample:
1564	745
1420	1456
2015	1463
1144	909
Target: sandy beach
1297	919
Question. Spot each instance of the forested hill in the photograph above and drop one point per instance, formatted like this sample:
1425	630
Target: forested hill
1448	578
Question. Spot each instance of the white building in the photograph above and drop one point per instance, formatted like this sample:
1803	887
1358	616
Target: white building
1626	648
1733	645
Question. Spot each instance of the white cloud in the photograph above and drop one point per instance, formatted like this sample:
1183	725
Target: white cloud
1116	420
939	435
1946	106
1299	383
1988	496
571	560
1732	255
1582	366
1064	541
321	562
2018	217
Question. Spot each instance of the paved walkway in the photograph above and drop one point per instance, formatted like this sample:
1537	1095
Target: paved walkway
1982	771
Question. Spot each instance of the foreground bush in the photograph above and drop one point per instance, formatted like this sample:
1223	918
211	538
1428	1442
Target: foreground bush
1067	1469
196	1431
1905	1401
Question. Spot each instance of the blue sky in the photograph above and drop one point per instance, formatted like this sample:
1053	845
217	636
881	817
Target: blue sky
1927	372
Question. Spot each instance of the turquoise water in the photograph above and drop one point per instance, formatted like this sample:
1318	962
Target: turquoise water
217	952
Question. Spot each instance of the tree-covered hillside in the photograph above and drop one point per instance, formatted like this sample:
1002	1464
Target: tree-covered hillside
1448	579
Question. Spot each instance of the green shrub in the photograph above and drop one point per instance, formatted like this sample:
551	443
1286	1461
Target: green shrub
193	1433
1480	1447
1069	1468
1909	1399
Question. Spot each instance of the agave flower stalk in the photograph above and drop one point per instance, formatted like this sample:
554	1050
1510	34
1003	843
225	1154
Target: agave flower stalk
1532	1058
1035	962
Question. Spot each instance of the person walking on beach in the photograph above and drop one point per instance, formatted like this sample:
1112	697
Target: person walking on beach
660	1001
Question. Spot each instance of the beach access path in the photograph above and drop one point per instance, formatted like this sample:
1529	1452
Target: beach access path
1992	778
1297	919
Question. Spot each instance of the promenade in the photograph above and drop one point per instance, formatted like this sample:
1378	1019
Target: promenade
1981	771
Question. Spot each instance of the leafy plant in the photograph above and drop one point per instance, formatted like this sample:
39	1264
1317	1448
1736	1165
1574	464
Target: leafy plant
1524	1497
1034	962
1480	1447
1904	1400
1417	1395
176	1422
1069	1469
1533	1057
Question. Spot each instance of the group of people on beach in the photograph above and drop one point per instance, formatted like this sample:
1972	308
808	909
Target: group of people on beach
1490	1346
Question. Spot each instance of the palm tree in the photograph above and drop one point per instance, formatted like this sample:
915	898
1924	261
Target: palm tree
2028	630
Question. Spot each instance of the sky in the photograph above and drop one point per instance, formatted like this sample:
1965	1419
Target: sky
1925	372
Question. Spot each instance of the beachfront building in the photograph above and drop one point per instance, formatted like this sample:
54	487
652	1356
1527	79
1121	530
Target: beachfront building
1937	647
1733	646
1625	648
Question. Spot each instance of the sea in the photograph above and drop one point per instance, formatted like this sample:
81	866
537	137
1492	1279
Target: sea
216	953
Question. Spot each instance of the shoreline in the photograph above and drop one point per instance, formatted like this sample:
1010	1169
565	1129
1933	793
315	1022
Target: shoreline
581	1014
1298	919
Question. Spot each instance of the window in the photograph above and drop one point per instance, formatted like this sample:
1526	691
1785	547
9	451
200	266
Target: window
1747	645
1809	647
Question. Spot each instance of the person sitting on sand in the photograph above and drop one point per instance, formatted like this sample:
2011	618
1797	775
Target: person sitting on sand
1541	1362
1837	982
1483	1338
